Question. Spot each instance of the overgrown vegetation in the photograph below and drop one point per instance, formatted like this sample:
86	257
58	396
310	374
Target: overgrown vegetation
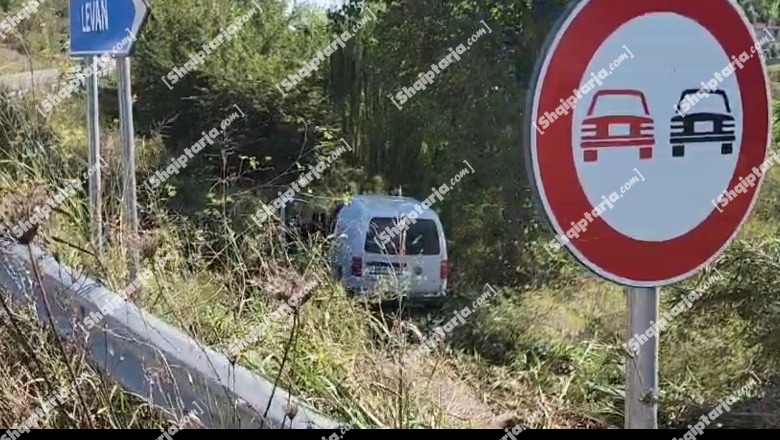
551	342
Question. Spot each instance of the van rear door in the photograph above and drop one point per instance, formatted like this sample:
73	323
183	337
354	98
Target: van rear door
411	264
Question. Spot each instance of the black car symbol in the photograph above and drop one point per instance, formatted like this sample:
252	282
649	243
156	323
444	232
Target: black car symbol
721	126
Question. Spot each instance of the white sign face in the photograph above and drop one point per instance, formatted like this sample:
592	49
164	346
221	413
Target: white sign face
666	90
676	197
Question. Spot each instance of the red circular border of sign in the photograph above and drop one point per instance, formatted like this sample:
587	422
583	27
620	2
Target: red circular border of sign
612	252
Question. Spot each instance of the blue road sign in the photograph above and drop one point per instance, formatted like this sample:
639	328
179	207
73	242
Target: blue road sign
100	26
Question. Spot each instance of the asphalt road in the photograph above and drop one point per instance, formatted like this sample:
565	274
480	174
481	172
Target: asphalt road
23	82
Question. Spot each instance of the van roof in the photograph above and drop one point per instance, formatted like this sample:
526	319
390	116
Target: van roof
381	205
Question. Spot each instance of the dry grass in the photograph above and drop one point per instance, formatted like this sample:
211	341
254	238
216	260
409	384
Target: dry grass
33	371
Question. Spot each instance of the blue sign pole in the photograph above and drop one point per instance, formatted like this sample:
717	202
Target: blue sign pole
109	28
129	197
93	128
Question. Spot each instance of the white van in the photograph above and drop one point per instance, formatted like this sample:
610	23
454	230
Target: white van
369	254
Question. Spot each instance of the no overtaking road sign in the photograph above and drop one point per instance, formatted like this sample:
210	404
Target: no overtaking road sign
690	111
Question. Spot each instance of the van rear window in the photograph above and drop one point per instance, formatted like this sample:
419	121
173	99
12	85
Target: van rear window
422	238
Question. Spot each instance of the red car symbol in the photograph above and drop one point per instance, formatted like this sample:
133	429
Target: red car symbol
638	130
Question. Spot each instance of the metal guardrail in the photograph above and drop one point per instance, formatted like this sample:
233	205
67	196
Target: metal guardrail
147	356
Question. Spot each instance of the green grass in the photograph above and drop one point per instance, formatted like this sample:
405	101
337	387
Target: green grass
774	80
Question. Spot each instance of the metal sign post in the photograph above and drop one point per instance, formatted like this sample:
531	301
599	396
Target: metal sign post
93	129
642	368
662	88
99	27
129	199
